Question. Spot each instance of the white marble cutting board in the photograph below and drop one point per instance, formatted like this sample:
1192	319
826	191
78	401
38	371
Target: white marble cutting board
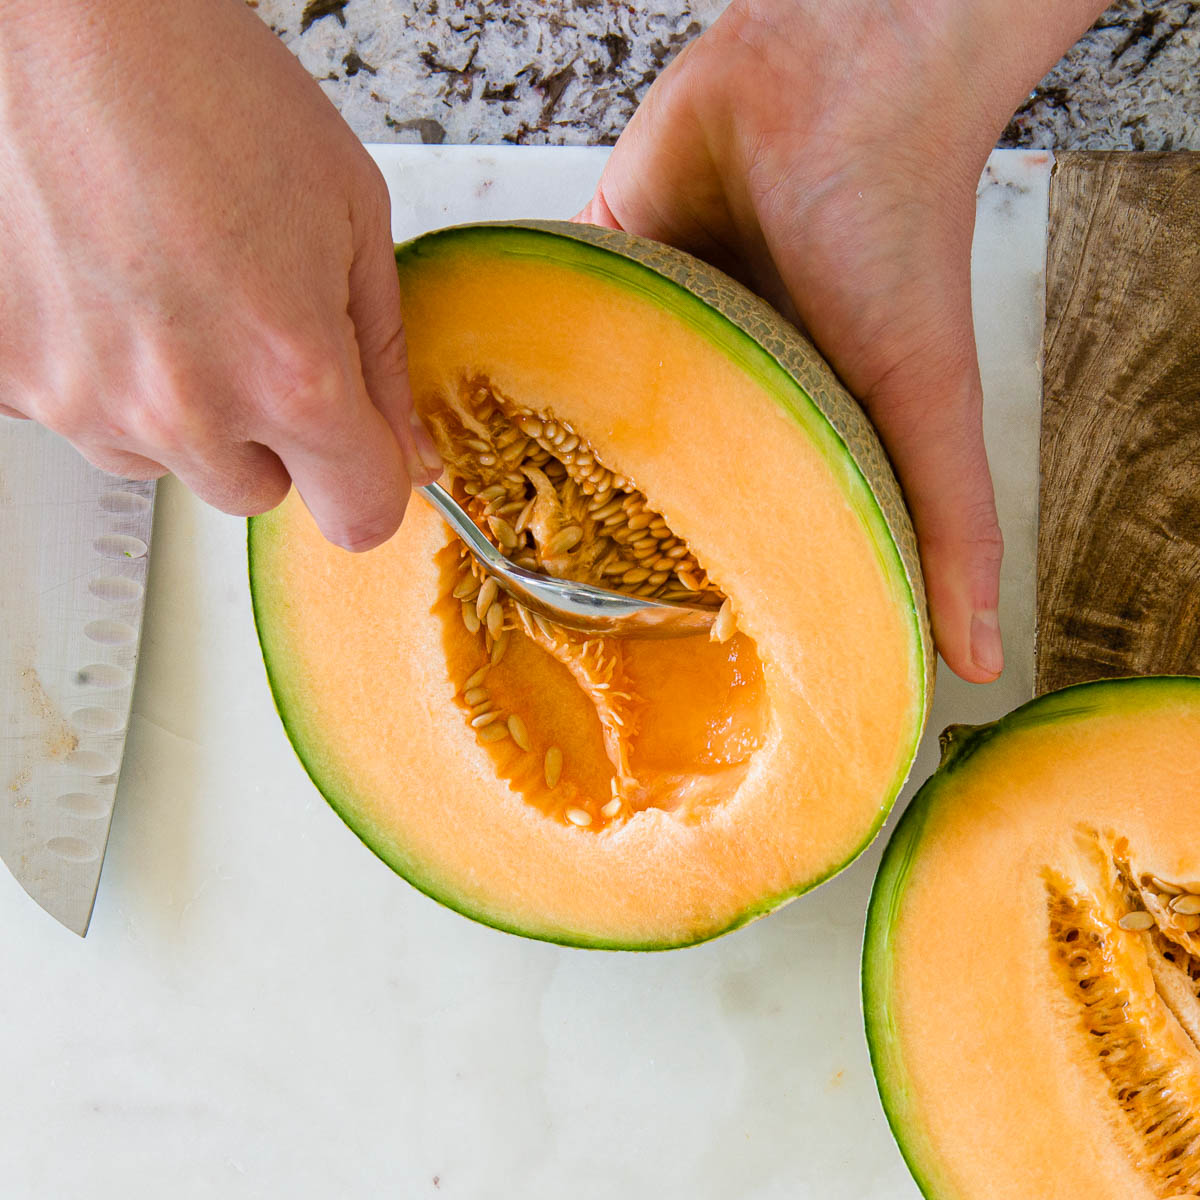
262	1009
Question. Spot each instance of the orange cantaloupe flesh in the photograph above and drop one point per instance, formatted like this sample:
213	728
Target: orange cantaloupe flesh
819	699
987	1071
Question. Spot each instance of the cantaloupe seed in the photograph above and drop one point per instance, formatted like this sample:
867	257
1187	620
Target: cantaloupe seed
495	621
552	766
499	646
538	488
518	732
488	592
725	626
1137	920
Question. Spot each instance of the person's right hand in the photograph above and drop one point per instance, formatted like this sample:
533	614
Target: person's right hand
196	269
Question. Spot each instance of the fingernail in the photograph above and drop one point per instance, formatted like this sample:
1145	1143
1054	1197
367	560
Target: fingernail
987	648
431	460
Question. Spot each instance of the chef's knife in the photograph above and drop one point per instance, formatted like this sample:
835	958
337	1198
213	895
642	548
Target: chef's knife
73	547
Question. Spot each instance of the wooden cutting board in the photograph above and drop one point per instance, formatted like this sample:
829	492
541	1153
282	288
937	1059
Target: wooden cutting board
1118	574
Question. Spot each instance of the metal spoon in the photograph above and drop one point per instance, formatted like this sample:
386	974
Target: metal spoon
574	605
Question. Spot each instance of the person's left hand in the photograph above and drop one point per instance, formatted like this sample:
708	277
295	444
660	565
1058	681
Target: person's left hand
826	152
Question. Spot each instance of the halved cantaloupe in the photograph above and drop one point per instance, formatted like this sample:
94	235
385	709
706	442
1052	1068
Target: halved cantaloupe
1032	960
614	411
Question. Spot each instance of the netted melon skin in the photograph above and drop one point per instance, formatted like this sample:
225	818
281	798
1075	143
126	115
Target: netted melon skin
797	355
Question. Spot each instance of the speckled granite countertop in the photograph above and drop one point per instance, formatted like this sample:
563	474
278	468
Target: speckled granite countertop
571	73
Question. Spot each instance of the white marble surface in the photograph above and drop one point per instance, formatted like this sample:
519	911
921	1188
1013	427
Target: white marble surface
262	1009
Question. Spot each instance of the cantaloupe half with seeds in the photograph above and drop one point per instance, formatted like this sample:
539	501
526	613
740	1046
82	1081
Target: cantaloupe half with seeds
1032	961
612	411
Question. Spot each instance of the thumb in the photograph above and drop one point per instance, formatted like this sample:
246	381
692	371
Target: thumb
929	413
596	211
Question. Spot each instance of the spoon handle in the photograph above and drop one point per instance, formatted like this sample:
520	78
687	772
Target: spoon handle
462	524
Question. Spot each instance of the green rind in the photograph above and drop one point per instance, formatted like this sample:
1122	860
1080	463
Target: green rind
769	349
967	752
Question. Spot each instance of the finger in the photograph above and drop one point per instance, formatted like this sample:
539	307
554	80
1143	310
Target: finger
597	212
243	480
890	306
339	449
122	462
374	308
5	411
929	415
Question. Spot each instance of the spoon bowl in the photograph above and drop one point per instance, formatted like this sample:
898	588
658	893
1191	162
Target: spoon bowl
579	606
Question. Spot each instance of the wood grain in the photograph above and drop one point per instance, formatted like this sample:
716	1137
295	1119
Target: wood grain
1118	590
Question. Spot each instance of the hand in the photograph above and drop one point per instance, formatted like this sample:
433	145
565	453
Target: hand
196	269
827	153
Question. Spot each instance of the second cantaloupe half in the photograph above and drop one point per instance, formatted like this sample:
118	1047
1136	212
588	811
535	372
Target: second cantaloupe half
612	411
1031	969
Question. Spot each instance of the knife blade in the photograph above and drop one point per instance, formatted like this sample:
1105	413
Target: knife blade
75	542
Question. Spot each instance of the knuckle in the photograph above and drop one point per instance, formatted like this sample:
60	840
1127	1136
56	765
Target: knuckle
160	422
371	199
368	532
977	518
68	413
375	191
238	491
305	385
255	497
988	541
969	528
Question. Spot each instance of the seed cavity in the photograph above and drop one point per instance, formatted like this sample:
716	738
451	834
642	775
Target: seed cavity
1145	1042
539	491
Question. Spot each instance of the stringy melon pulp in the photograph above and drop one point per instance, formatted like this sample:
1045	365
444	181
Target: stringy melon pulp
1032	966
588	729
620	793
